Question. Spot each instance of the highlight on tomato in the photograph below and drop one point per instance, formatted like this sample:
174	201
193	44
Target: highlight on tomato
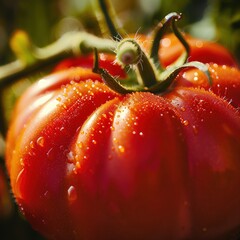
152	155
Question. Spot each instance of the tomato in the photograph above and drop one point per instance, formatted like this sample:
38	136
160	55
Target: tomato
169	51
107	61
226	82
200	50
86	162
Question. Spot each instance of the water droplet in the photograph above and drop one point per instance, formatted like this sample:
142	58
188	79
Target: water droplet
141	133
94	141
195	130
78	165
18	182
40	141
31	144
46	194
58	99
134	132
21	162
70	156
165	42
199	44
182	109
50	153
185	122
72	193
121	149
75	170
43	221
30	153
80	145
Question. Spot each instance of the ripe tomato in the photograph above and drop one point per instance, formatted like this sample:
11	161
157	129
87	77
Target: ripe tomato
106	62
169	51
200	50
88	163
226	82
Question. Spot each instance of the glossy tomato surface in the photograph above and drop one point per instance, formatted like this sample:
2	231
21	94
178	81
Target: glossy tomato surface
200	50
88	163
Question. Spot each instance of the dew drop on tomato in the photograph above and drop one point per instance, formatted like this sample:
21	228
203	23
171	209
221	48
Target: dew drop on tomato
195	130
80	145
19	183
50	154
121	149
21	162
70	156
40	141
31	144
72	194
185	122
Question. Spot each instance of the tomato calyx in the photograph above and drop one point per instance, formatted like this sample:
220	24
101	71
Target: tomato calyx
145	72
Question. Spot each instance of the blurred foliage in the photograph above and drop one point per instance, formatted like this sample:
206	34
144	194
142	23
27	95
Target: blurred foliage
45	21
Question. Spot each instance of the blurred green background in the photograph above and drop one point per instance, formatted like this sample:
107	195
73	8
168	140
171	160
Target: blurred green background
46	20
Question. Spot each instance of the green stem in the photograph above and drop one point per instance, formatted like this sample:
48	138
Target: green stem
71	44
129	52
110	20
109	80
159	32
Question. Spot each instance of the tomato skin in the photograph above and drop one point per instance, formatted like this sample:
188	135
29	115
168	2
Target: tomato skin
88	163
200	50
106	61
226	82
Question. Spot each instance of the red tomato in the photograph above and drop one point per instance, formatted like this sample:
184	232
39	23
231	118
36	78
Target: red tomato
106	61
88	163
226	82
170	50
200	50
